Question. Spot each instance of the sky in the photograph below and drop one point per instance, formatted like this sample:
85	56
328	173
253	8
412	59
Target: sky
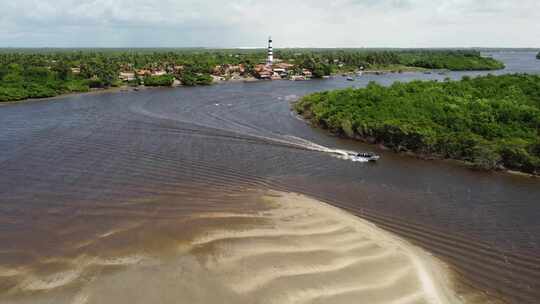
292	23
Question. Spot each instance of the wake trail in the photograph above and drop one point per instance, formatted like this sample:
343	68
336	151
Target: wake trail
289	141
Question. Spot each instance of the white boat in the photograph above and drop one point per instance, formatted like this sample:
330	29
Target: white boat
368	156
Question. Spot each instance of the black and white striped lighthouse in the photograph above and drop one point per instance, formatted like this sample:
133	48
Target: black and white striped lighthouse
270	59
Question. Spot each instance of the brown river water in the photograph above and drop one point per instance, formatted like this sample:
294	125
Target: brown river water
92	184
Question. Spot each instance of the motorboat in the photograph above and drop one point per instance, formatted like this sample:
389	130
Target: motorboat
368	156
350	78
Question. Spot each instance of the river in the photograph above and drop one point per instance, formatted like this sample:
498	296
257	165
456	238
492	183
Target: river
82	166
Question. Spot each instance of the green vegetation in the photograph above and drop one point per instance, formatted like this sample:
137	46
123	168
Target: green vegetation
193	77
36	73
37	82
352	59
393	68
159	81
490	122
455	61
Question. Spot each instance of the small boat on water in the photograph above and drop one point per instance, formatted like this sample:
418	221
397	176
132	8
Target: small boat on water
350	78
369	156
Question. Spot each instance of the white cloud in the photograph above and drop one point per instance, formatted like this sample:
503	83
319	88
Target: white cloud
322	23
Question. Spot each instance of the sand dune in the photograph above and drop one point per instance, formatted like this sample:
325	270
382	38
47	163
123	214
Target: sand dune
303	251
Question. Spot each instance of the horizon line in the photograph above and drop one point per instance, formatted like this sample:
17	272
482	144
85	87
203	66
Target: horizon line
262	48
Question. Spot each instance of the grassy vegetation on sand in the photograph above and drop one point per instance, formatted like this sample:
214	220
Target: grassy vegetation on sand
491	122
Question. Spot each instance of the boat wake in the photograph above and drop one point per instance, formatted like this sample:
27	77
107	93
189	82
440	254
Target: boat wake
242	131
338	153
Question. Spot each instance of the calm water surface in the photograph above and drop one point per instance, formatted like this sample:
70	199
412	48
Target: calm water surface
80	166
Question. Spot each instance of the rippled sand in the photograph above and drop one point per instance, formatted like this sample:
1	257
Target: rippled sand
294	250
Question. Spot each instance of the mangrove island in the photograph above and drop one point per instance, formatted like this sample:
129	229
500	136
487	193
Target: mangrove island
490	122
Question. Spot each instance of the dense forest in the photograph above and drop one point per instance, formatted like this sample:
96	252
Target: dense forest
455	60
37	73
491	122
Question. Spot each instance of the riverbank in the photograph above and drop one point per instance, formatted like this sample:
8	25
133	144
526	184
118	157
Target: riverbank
420	156
82	93
216	80
38	73
395	68
471	120
128	88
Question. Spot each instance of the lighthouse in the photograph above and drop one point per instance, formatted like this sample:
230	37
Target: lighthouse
270	59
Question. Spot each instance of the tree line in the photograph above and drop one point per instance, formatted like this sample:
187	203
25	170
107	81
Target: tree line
37	73
456	60
491	122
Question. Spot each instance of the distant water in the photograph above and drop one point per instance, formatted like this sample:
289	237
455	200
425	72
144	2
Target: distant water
78	169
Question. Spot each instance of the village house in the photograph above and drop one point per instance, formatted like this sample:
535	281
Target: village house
276	76
76	71
283	65
283	69
263	71
307	73
159	73
127	76
218	70
297	77
281	72
237	69
229	70
143	73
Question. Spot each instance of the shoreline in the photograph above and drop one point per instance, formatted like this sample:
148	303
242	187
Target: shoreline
124	87
434	275
426	157
60	96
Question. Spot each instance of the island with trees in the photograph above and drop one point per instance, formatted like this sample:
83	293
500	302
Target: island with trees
538	56
490	122
39	73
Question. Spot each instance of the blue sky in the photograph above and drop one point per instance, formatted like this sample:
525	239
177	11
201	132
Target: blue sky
292	23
